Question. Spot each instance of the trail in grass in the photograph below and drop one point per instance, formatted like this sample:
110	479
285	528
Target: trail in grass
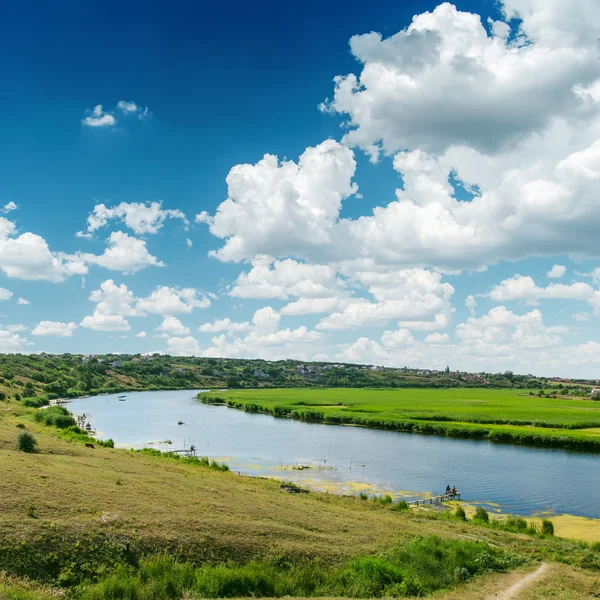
514	590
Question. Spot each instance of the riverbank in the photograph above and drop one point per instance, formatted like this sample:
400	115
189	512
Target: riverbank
502	416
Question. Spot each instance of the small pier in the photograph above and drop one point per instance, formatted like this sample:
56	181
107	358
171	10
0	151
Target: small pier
435	500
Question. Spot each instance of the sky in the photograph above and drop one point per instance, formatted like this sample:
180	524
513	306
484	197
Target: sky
392	183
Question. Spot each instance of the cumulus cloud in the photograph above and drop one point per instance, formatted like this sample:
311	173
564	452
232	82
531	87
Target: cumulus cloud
166	300
183	346
437	338
224	325
285	278
11	342
281	207
445	81
23	301
125	254
142	218
522	287
556	272
5	294
98	118
407	295
55	328
102	322
173	326
141	334
113	299
28	256
9	207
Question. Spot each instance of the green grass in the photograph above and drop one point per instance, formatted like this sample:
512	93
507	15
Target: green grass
497	415
420	567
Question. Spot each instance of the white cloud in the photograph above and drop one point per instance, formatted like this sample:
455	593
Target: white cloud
23	301
141	217
445	81
408	295
189	242
522	287
556	272
581	316
29	257
55	328
11	342
166	300
266	320
471	304
173	326
131	108
113	299
125	254
102	322
127	107
17	328
223	325
437	338
277	208
141	334
98	118
183	346
5	294
397	339
284	278
10	206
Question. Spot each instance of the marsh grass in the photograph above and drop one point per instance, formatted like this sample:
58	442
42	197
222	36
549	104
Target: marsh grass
504	416
459	513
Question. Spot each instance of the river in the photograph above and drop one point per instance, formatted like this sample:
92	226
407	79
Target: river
517	479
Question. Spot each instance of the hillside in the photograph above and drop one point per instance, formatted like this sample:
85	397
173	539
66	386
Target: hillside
46	376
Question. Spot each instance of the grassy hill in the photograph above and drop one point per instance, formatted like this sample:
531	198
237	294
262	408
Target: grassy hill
95	523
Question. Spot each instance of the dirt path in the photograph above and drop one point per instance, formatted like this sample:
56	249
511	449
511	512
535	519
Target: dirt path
513	590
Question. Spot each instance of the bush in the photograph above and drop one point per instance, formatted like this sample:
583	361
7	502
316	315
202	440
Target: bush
26	442
481	515
516	523
547	527
401	505
459	513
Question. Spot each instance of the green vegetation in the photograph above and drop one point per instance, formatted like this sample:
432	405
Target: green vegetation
460	514
26	442
417	568
481	515
36	379
498	415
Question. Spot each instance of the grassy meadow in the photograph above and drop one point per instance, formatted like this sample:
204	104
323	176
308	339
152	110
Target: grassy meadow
495	414
99	522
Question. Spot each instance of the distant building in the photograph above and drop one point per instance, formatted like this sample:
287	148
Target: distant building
88	357
116	363
260	373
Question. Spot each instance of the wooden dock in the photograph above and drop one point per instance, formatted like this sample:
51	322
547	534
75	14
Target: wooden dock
435	500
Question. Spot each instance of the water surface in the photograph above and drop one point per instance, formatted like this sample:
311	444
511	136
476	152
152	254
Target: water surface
350	459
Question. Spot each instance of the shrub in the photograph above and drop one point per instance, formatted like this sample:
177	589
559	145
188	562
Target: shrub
459	513
31	511
481	515
26	442
547	527
363	496
401	505
516	523
21	425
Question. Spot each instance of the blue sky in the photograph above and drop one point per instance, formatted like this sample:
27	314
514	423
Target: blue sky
406	196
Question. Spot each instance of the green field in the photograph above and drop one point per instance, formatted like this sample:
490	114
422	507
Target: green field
498	415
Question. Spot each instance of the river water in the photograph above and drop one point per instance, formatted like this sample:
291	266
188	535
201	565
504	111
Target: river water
347	460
